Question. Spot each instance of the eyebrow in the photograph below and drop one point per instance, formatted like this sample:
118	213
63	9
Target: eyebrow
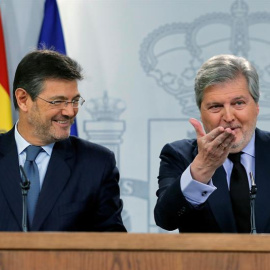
63	97
240	97
233	100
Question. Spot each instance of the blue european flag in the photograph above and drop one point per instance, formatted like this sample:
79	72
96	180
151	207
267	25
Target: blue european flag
51	36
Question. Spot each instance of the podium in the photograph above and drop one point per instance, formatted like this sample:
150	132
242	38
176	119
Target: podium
131	251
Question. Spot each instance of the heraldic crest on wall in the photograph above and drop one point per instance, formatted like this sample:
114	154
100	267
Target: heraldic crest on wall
172	53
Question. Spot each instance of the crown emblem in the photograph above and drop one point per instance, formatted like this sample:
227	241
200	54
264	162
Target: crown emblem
105	108
172	53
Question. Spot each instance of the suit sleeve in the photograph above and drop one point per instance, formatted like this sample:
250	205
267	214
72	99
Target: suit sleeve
108	215
172	209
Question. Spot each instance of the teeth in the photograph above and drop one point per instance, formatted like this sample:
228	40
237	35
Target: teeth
62	122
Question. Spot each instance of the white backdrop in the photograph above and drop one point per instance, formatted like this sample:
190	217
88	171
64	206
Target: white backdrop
139	60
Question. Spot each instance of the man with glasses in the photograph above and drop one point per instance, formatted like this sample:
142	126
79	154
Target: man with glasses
73	182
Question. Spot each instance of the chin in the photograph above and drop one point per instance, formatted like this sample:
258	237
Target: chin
237	147
63	136
59	136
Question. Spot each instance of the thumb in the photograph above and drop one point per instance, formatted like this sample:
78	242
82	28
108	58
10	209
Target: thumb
197	126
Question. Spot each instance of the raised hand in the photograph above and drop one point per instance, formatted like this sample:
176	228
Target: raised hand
213	149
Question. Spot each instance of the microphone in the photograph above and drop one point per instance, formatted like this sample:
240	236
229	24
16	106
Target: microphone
253	192
25	186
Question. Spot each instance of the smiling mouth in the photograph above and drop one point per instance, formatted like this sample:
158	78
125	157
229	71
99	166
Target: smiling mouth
63	123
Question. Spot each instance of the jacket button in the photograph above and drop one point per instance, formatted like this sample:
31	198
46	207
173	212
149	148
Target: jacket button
181	211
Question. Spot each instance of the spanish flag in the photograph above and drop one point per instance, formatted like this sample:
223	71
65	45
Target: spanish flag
5	101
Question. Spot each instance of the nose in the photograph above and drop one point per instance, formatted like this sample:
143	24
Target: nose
228	114
69	111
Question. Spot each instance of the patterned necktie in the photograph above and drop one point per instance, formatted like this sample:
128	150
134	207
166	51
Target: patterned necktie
32	174
239	191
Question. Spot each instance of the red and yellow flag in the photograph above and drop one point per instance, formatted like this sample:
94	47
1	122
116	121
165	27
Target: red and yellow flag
5	100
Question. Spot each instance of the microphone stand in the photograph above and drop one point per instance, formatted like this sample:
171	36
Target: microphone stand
25	185
253	192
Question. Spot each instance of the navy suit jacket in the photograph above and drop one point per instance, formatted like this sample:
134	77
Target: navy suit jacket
80	191
172	211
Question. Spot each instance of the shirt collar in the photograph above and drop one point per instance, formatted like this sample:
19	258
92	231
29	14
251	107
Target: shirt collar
22	143
250	148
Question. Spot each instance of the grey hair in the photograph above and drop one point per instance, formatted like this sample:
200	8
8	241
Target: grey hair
223	68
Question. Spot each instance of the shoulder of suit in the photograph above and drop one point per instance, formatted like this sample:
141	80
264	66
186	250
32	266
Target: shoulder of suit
186	143
83	144
185	147
262	133
7	137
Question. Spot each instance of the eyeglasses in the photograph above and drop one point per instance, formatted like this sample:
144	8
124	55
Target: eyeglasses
60	104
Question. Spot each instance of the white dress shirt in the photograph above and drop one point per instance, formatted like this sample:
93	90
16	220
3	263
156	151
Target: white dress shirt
42	159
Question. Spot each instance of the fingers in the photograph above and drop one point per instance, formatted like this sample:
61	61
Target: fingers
217	135
213	149
197	126
218	140
224	141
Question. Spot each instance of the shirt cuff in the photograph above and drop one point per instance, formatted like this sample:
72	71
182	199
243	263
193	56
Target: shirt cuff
195	192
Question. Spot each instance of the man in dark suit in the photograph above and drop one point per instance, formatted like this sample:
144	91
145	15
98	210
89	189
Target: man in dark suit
78	180
196	187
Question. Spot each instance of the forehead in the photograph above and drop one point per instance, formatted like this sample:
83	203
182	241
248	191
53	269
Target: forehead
227	90
60	87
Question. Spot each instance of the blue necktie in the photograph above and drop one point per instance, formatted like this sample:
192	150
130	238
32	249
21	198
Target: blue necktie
32	174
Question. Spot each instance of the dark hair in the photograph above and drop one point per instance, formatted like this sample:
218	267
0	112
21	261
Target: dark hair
40	65
223	68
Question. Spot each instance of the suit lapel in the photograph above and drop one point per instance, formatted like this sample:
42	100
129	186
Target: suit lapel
10	178
220	202
57	175
262	180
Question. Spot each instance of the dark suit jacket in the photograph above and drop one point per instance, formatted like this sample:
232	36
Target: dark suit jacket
80	191
172	211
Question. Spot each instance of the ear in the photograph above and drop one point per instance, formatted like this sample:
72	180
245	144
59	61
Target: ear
22	98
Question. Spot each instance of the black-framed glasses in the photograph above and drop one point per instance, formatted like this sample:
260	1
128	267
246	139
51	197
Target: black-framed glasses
60	104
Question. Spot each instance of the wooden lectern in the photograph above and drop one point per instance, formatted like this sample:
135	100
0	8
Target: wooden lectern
122	251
